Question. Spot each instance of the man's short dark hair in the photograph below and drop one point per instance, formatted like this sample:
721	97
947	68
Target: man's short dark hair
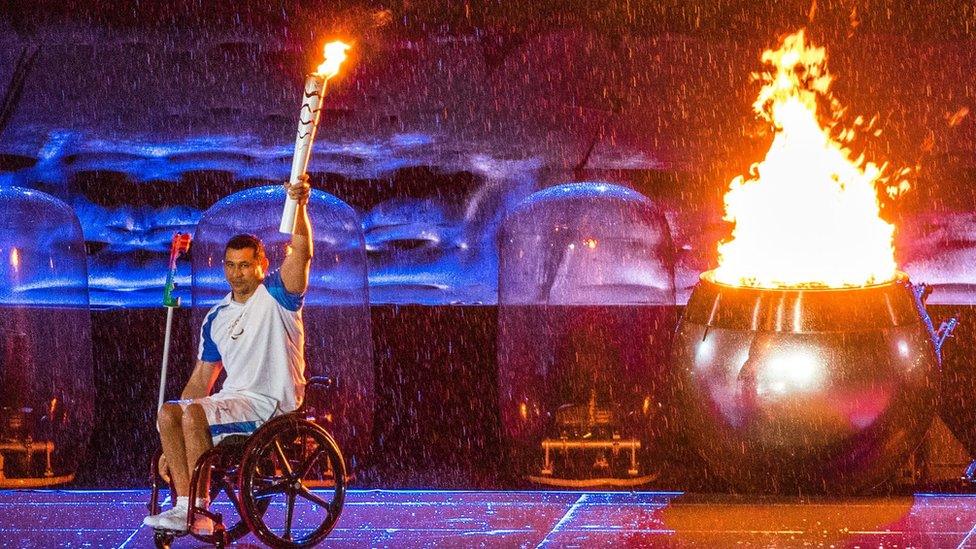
244	241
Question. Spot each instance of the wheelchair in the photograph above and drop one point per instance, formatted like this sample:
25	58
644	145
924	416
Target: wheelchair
268	476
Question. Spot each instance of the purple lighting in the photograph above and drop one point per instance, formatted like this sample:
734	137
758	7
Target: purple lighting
426	518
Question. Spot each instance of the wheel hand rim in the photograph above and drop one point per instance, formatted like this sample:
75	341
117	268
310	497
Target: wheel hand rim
284	458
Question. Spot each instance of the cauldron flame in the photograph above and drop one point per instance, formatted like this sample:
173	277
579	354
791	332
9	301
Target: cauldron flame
809	215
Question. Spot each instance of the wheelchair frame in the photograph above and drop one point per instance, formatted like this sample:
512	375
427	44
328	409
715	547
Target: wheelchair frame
233	466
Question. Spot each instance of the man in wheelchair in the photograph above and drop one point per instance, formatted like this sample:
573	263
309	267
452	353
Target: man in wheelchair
256	335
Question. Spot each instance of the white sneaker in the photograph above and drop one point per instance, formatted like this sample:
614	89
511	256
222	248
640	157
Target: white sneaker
153	520
172	519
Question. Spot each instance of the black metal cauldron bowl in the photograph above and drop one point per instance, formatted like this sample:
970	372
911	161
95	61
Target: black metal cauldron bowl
806	390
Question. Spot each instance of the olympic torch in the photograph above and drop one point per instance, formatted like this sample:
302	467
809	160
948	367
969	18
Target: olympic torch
308	122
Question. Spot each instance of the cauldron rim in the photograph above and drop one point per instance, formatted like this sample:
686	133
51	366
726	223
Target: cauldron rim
803	310
708	277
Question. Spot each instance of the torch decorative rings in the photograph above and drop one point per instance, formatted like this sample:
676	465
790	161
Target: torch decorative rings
308	122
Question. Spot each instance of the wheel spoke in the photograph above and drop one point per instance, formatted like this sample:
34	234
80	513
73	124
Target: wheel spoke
317	500
265	479
284	458
309	461
289	515
273	488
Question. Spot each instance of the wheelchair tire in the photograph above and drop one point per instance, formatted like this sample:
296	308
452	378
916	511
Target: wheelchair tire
282	461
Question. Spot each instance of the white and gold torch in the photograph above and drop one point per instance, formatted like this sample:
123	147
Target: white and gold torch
308	121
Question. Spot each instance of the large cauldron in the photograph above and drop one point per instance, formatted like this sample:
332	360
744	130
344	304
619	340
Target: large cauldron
806	390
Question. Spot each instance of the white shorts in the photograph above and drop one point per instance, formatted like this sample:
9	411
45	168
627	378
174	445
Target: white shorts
233	413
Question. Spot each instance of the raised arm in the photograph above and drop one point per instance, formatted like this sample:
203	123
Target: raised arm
295	267
201	380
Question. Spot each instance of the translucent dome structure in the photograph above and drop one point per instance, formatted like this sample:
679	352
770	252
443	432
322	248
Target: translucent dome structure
338	341
586	309
46	384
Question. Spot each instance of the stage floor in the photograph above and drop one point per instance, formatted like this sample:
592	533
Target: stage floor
404	518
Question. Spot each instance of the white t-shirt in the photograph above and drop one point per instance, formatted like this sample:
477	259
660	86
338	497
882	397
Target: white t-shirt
261	344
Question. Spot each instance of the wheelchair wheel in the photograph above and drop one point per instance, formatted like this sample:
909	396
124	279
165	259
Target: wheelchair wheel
283	462
224	459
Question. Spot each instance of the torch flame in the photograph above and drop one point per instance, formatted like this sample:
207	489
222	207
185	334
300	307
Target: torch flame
809	216
335	54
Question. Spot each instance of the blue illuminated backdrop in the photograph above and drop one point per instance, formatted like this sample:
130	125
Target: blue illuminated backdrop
433	138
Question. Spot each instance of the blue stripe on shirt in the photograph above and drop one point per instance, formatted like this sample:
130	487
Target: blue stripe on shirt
276	287
209	351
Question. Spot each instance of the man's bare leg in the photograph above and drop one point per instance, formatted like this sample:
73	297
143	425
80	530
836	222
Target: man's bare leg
196	440
171	419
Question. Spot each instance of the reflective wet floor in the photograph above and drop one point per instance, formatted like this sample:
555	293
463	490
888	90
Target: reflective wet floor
399	518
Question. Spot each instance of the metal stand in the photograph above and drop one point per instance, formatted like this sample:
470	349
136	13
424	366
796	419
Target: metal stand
615	445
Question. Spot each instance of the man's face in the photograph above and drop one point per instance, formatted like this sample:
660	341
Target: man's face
243	270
